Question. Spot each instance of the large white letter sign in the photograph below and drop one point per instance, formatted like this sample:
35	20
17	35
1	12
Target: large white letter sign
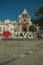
15	35
20	35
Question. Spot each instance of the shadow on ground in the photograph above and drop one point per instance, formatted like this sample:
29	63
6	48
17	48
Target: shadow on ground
8	61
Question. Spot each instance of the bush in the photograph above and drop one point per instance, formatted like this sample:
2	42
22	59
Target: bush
32	28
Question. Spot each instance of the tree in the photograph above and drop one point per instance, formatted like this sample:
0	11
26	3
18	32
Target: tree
39	15
32	28
33	20
39	12
41	22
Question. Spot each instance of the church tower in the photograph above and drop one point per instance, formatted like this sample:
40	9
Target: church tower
24	21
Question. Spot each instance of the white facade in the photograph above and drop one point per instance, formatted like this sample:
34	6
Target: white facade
11	28
7	25
3	28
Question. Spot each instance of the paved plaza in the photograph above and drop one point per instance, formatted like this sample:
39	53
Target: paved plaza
21	52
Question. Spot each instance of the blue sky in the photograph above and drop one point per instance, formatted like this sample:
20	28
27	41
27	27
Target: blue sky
11	9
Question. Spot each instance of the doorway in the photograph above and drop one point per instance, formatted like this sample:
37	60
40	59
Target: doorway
24	28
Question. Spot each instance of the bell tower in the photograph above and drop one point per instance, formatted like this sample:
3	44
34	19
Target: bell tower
24	21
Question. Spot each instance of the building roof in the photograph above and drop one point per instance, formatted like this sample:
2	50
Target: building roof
25	11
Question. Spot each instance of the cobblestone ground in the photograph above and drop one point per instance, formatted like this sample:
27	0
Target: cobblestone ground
29	52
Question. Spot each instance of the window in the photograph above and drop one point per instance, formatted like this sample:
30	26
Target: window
3	28
0	29
24	15
11	29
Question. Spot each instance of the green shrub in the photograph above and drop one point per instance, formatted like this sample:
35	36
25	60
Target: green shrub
32	28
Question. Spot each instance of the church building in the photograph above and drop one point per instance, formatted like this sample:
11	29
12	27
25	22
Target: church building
24	22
